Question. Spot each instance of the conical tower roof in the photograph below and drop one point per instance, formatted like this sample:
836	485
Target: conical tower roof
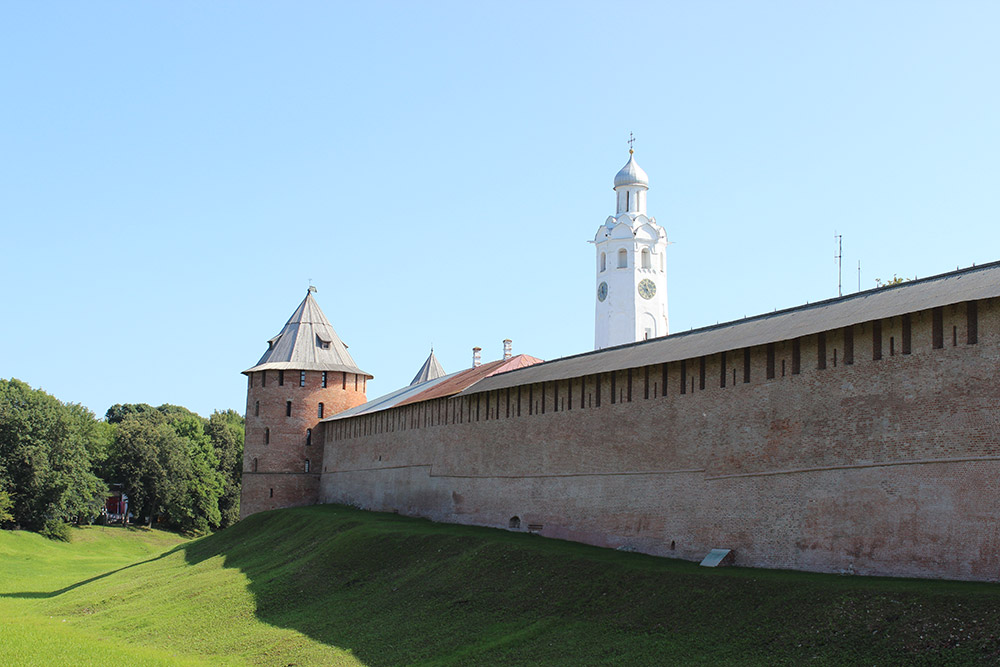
429	371
307	343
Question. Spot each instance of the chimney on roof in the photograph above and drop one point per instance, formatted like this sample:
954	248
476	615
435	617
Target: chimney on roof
476	357
507	343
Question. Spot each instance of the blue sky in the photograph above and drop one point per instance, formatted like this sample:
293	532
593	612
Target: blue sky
174	174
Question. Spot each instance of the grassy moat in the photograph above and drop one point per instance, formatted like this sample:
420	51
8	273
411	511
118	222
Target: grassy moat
332	585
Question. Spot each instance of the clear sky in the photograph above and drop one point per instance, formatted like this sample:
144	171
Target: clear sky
172	175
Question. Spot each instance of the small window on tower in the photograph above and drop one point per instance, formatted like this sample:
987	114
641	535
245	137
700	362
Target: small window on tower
307	465
267	436
645	259
324	381
623	259
256	409
604	261
288	408
281	378
319	411
302	378
309	438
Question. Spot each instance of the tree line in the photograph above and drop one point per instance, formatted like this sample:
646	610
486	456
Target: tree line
58	461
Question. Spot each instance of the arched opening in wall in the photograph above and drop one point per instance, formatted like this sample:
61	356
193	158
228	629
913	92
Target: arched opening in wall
272	492
645	258
255	464
319	411
604	261
267	436
623	259
307	465
514	523
673	545
309	438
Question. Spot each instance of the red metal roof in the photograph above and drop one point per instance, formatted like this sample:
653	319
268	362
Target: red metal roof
465	379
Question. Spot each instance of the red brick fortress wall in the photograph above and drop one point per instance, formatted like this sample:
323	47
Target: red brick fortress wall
844	460
278	443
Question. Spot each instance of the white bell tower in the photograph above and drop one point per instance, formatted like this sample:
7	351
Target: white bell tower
631	286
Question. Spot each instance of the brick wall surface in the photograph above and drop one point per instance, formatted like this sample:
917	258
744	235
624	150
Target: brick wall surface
280	464
881	466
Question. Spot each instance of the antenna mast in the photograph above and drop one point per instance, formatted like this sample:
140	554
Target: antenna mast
840	263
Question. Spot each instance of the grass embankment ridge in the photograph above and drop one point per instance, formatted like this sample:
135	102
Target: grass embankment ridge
332	585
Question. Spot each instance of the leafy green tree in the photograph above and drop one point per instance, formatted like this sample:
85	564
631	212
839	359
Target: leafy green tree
226	431
149	460
196	508
119	411
47	448
6	504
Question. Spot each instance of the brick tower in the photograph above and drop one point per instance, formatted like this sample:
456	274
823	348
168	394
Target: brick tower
306	374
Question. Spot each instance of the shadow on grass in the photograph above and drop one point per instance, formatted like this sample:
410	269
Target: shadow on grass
396	590
51	594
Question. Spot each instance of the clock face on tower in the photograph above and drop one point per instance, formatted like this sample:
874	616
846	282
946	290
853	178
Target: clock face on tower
602	291
647	289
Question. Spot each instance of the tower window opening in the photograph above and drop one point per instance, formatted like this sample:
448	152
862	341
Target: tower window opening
323	380
907	334
267	436
623	259
722	370
514	523
701	374
288	408
645	258
746	365
770	361
307	465
263	378
281	378
954	336
343	379
876	340
892	346
309	438
821	350
302	378
256	409
272	492
628	201
604	261
319	411
255	464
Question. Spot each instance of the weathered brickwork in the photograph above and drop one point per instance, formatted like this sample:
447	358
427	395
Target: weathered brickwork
870	449
283	434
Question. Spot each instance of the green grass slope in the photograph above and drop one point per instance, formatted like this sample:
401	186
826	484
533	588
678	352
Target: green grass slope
332	585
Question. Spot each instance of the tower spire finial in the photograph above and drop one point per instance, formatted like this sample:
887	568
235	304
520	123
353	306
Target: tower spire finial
631	140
